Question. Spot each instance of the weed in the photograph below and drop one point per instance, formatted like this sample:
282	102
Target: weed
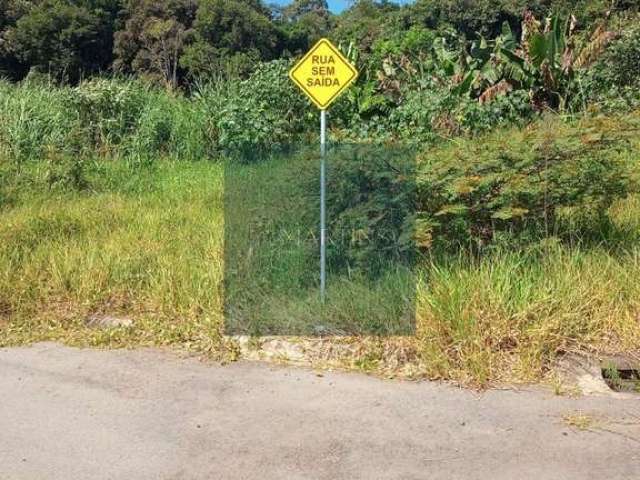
580	421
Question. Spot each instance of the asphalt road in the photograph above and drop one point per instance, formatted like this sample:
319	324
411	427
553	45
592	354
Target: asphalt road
87	414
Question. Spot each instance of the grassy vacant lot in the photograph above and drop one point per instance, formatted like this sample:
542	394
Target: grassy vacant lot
147	242
144	243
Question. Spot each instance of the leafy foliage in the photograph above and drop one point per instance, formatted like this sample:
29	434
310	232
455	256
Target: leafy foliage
257	116
371	200
520	184
302	23
109	110
33	119
238	32
417	85
614	80
480	17
153	38
509	189
67	40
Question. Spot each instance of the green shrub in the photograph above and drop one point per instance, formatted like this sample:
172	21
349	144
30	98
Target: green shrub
433	113
259	115
371	199
508	189
101	117
170	126
190	139
614	81
622	60
109	109
520	186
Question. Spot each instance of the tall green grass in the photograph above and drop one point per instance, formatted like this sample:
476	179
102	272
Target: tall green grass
128	118
507	315
147	243
148	248
102	118
99	216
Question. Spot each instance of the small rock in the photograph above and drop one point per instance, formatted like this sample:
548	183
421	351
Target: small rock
583	372
108	321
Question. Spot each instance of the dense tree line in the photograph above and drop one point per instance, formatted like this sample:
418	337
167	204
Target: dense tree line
175	41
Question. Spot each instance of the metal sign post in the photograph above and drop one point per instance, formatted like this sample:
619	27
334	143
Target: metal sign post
323	74
323	204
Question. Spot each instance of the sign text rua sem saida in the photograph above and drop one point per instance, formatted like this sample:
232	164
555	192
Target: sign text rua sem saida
323	73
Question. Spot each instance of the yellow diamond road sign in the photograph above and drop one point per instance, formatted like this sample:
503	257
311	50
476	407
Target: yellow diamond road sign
323	73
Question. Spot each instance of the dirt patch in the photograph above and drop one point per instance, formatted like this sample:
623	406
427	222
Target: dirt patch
389	356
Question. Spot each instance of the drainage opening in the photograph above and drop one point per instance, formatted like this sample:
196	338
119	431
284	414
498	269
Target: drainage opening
621	378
